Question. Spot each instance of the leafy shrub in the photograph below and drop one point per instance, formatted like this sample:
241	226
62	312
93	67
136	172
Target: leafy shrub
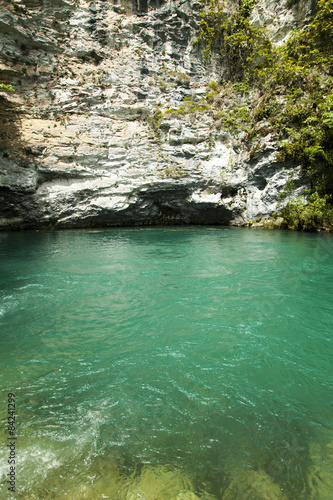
297	215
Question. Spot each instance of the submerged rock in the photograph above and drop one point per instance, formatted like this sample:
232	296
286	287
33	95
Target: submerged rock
320	479
158	482
253	485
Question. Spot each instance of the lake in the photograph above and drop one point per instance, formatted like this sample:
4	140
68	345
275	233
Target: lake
167	363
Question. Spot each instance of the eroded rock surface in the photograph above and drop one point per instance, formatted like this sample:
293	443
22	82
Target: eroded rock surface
87	139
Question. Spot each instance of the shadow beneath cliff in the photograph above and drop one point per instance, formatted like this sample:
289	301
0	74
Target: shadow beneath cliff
17	186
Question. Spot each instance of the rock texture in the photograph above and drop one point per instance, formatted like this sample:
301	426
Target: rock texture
85	139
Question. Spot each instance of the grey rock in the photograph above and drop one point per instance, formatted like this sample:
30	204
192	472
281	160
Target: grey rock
84	148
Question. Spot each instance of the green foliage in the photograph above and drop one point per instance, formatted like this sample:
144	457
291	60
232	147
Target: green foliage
302	71
295	79
210	97
294	83
327	120
173	172
233	119
190	106
311	46
154	120
242	114
269	108
299	216
241	45
213	85
287	190
7	88
179	77
241	88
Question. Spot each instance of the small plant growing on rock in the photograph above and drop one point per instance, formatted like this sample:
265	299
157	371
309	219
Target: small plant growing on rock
7	88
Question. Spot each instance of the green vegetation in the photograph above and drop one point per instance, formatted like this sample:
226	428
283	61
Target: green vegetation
317	212
180	78
7	88
301	73
169	79
190	106
295	80
154	120
173	171
235	118
293	89
213	85
242	46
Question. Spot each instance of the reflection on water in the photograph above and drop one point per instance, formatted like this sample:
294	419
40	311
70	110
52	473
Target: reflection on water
168	364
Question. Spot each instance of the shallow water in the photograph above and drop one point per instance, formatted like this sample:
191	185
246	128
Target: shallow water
197	358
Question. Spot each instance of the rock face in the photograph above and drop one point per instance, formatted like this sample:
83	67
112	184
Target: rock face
88	137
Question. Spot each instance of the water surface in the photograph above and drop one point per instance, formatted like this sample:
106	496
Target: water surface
171	363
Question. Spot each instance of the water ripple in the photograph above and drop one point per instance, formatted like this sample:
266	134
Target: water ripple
206	352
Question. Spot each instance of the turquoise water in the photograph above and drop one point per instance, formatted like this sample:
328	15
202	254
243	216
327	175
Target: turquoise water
168	363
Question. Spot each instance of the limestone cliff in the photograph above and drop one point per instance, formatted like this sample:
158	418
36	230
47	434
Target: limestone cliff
92	135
